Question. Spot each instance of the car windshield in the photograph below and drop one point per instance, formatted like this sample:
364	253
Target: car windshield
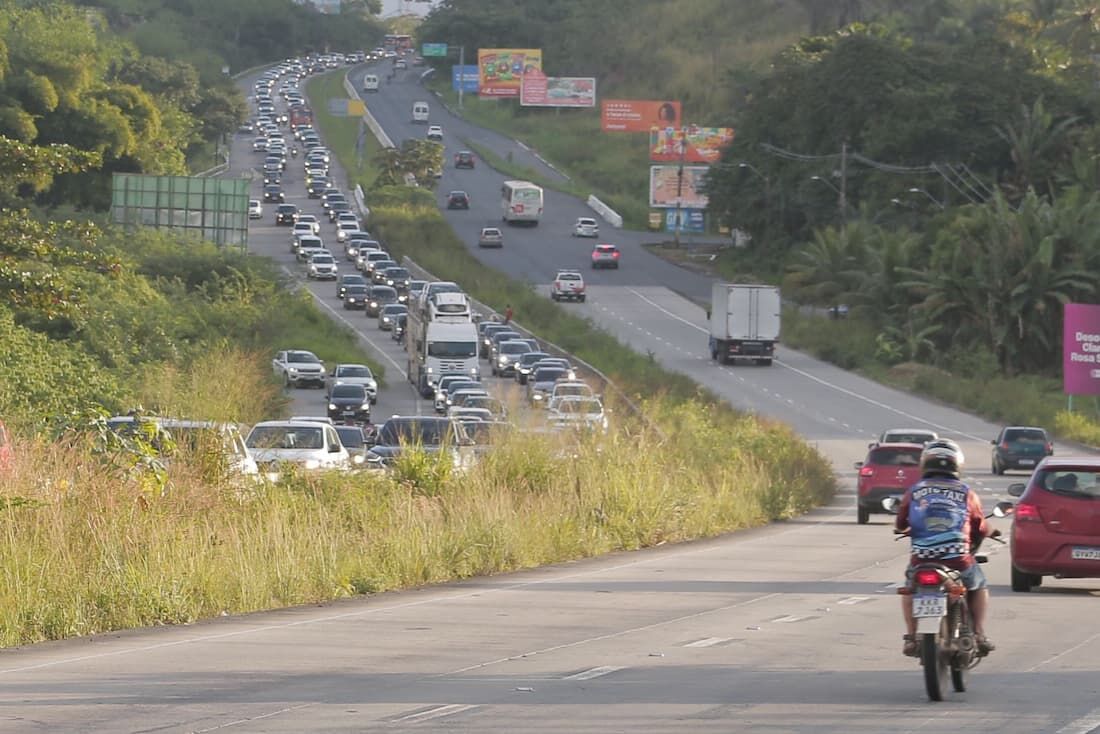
356	289
387	295
425	432
531	195
354	372
549	374
580	406
350	436
895	457
1083	482
572	390
301	357
348	391
451	308
397	273
531	357
452	350
586	222
323	260
918	437
1025	435
285	437
569	276
514	348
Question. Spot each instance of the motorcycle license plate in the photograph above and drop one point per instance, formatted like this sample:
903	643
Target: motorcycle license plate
1085	554
928	605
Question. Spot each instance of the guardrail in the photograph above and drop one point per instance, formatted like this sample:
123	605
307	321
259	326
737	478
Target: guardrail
218	169
368	118
610	215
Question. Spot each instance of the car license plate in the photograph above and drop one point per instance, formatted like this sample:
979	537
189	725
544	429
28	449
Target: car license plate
929	605
1085	554
1027	462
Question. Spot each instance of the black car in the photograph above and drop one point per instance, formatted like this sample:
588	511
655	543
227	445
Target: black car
464	159
274	192
458	200
377	274
347	401
273	177
379	296
316	187
355	296
1020	447
350	279
354	440
428	433
286	214
338	208
395	277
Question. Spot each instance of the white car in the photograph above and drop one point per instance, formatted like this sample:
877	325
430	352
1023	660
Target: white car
435	132
347	217
310	246
578	412
355	374
312	220
343	229
309	444
301	229
298	366
322	266
259	143
586	227
255	209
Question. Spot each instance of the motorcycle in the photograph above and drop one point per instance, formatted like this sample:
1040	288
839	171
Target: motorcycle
946	640
294	152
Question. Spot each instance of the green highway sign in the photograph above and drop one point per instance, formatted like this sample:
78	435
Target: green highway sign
433	49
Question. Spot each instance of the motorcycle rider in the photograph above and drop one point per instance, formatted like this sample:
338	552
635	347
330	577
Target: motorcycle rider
945	522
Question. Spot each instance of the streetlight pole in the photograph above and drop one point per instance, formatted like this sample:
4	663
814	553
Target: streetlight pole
931	198
680	187
461	73
840	197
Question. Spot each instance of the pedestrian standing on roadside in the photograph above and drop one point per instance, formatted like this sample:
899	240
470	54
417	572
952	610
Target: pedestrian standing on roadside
508	314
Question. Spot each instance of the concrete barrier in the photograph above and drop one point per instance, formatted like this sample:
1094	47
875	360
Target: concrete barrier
368	118
609	214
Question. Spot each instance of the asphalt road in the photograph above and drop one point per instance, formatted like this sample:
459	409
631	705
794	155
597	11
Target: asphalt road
790	628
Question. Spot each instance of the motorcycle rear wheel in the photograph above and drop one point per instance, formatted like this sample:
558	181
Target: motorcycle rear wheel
935	666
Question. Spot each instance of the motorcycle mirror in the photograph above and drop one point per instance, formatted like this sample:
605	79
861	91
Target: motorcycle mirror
891	504
981	558
1003	509
1017	489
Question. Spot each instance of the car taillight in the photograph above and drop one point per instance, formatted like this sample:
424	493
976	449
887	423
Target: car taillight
867	471
1004	445
1050	448
615	255
928	577
1026	512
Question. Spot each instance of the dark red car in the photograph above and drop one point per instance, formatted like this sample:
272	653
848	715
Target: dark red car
888	470
1056	526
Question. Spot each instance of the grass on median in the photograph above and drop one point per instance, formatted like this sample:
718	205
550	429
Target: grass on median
342	132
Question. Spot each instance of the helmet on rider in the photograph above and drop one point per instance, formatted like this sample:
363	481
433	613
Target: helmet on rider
941	457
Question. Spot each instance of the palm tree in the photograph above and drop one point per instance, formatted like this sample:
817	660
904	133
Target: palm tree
1036	144
391	167
829	270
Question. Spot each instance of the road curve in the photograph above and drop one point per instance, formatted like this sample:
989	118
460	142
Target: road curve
792	627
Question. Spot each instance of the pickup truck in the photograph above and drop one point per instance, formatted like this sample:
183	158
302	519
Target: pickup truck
568	285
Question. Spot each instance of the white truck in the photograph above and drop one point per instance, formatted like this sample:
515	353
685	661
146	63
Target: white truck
744	322
443	345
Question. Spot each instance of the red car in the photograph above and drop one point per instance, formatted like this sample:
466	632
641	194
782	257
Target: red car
1056	525
888	470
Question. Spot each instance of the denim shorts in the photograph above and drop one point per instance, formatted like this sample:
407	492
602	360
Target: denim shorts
973	578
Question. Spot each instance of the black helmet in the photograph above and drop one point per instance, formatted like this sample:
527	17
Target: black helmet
941	457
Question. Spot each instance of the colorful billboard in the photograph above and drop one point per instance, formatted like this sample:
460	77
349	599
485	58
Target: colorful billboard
704	144
538	90
663	187
1081	349
502	69
638	115
690	220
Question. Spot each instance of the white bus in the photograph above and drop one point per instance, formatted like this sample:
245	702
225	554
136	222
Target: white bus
521	201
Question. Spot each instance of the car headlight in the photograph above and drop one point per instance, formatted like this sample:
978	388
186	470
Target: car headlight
537	396
389	281
332	406
365	406
373	304
430	370
292	370
503	360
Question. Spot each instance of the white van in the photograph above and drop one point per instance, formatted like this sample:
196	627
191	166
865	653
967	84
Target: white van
370	83
421	112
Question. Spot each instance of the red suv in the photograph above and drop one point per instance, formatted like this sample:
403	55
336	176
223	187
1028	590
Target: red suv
1056	526
888	470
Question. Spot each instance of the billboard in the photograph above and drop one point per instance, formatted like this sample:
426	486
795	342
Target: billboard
663	186
638	115
467	76
502	69
214	208
704	144
1081	349
690	220
538	90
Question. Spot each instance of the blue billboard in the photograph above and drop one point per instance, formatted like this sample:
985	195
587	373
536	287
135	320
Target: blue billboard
467	76
691	220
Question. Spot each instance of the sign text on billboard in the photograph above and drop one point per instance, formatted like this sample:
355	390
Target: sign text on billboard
638	115
539	90
690	220
664	185
1081	349
466	76
502	69
433	49
703	144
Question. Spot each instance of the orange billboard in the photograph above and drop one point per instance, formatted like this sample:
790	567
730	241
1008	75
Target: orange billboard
699	145
501	70
638	115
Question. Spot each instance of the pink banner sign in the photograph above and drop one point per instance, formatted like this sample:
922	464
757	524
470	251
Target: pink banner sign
1081	349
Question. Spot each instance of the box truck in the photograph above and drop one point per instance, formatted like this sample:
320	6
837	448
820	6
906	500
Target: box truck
744	322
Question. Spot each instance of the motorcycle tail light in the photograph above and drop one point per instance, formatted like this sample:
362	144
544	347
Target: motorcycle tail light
928	577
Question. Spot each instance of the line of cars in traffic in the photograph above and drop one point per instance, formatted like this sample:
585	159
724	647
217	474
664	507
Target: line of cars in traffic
1056	519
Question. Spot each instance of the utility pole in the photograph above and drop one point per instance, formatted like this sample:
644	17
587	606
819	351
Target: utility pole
844	185
678	222
461	73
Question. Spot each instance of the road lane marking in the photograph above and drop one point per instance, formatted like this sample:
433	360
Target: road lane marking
792	618
250	719
1065	652
1086	724
708	642
437	712
593	673
854	600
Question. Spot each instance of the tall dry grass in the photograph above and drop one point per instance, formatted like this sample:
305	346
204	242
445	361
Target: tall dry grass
87	548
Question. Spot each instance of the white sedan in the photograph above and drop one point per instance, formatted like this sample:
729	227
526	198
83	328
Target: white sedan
255	209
